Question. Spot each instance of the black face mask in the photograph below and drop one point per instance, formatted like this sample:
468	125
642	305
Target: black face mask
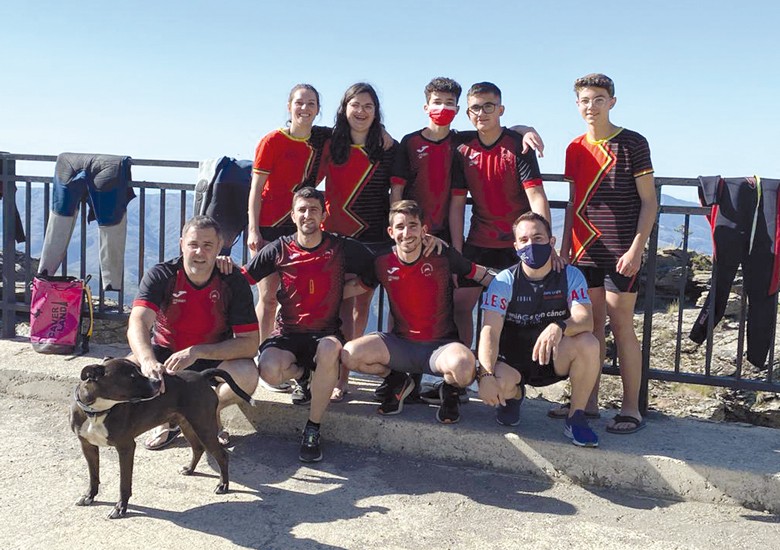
535	255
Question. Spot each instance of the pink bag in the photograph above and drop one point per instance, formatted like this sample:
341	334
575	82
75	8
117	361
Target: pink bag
57	310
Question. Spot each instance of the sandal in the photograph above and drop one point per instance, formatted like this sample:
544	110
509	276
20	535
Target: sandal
562	413
636	424
338	395
161	437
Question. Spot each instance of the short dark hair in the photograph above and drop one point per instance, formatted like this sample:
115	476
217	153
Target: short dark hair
532	216
309	193
595	80
408	207
201	222
443	85
484	88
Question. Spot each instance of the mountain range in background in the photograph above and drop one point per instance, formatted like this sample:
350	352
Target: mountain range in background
669	235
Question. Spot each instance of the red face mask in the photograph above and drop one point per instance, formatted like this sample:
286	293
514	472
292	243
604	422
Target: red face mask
442	116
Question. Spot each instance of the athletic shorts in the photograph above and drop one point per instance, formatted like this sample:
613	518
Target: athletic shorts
532	373
413	357
496	258
302	345
162	354
272	233
611	280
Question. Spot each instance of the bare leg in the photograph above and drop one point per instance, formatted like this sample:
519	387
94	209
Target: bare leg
621	318
325	376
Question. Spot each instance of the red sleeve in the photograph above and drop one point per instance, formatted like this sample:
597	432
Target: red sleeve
264	155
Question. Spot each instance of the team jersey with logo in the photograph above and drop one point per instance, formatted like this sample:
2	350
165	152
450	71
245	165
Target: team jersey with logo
420	293
497	177
606	201
187	314
290	163
357	194
529	306
312	279
424	168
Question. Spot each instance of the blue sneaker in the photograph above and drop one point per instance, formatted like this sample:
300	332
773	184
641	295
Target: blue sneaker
509	414
578	430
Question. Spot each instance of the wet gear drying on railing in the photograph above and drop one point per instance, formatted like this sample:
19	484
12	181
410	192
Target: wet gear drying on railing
222	192
105	180
745	230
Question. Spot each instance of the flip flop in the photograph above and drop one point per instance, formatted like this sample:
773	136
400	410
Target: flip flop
562	412
619	418
170	435
338	395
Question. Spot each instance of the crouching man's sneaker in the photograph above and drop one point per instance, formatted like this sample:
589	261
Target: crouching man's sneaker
394	401
578	430
448	412
310	444
509	414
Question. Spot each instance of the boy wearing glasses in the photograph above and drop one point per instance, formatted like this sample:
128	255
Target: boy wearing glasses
504	183
612	209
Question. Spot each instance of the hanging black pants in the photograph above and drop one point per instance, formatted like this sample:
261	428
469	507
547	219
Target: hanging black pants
745	229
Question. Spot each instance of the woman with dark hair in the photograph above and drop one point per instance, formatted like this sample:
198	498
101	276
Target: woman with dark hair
285	160
356	169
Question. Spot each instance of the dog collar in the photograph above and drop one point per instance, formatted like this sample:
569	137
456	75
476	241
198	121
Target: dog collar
91	411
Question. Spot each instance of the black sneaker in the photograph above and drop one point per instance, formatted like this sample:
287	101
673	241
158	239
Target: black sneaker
310	445
301	395
448	412
394	403
414	397
433	397
382	391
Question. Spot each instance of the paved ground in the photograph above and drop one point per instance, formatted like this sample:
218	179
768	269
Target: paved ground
355	499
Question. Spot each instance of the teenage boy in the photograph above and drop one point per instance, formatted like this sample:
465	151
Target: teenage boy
612	209
307	342
504	182
537	330
424	338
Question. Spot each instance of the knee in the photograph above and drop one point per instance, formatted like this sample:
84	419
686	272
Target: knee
328	353
460	364
271	373
347	356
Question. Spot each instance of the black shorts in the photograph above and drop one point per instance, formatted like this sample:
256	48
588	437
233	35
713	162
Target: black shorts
413	357
272	233
496	258
162	354
302	345
610	279
532	373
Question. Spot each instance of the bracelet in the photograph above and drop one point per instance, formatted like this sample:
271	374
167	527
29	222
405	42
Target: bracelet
483	374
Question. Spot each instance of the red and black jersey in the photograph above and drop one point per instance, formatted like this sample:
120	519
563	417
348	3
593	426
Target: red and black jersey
497	177
420	293
290	163
606	201
424	168
357	194
188	315
312	279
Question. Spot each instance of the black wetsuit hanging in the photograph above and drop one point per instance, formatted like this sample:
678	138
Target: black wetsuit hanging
745	231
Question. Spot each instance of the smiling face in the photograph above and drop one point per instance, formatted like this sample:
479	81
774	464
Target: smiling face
594	104
199	250
407	231
308	214
360	112
303	108
479	105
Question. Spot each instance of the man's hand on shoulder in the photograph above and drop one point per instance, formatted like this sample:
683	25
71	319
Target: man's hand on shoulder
432	244
225	264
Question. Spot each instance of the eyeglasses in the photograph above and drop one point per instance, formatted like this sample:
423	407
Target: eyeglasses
486	108
600	101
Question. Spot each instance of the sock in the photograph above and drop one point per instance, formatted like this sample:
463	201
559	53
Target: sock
314	425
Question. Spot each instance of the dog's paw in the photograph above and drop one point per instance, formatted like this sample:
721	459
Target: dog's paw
85	500
119	511
221	489
186	470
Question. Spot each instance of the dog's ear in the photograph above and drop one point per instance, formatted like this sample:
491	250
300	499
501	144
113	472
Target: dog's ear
92	372
106	358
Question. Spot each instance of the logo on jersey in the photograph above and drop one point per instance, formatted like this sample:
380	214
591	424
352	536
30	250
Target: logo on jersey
426	269
178	297
474	158
214	296
179	294
392	270
421	152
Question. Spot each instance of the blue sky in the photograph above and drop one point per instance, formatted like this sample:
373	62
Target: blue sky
193	80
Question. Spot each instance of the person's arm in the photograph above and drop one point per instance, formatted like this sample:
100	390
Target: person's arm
139	327
487	355
457	217
242	346
568	222
630	262
353	288
396	193
531	139
546	346
254	240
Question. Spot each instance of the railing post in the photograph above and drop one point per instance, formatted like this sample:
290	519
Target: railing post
8	173
649	304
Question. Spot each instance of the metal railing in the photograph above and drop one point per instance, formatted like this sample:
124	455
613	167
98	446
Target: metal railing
171	203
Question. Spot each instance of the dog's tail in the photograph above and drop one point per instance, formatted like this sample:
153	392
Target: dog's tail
211	374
